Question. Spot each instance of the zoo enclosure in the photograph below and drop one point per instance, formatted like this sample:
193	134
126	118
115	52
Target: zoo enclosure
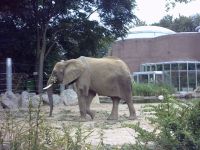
23	77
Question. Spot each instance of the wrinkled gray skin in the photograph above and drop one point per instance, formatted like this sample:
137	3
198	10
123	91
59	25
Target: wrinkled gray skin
106	76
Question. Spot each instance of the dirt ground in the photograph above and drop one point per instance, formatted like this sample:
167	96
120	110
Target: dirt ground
114	133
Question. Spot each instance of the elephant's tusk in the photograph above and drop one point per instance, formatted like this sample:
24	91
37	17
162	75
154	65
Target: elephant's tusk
45	88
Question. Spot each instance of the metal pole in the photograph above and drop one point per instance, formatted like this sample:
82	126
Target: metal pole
9	74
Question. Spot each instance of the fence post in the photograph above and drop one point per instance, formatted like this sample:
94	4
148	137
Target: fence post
9	74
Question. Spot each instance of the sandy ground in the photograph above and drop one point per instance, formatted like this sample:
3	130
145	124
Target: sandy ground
114	132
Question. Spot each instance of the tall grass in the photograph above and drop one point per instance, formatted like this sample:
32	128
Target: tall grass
151	89
34	132
176	126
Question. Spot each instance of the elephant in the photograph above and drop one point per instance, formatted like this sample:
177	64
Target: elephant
107	76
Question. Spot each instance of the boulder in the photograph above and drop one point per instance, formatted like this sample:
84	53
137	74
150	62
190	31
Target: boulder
27	97
69	97
24	99
96	99
35	100
10	100
56	99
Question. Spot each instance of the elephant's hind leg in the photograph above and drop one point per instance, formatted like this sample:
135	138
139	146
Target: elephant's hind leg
131	109
91	95
114	113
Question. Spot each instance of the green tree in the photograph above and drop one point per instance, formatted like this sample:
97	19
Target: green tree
166	22
172	3
65	25
181	24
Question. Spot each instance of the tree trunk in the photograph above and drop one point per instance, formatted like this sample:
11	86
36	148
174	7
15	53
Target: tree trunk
37	58
40	74
41	61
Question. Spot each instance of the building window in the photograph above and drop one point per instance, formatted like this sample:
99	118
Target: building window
148	68
198	66
166	66
183	66
174	66
191	66
143	78
183	75
159	67
153	68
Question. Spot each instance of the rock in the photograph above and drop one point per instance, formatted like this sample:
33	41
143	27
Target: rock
96	99
5	146
10	100
56	99
69	97
26	98
161	97
45	99
35	100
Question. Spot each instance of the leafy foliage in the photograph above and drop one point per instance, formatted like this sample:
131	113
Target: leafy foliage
172	3
177	126
151	89
181	24
68	23
39	27
33	132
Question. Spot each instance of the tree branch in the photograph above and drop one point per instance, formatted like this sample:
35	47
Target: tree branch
92	13
49	49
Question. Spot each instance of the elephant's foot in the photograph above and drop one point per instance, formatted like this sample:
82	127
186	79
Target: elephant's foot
82	119
91	113
132	117
82	116
112	117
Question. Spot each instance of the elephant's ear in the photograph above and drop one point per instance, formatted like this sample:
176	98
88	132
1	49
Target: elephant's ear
72	71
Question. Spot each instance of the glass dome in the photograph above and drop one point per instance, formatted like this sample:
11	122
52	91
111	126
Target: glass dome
148	32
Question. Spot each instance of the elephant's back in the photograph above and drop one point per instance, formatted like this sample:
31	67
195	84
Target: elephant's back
111	63
110	74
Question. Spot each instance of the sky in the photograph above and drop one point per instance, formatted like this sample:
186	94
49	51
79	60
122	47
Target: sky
152	11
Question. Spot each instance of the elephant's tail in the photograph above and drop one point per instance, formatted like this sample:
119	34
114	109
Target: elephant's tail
132	85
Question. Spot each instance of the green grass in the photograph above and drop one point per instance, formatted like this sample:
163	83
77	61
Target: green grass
151	89
176	126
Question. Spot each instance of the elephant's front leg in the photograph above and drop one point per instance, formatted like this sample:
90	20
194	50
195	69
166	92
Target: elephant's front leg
82	107
91	95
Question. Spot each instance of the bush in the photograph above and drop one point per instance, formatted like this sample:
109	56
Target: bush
177	126
33	132
141	89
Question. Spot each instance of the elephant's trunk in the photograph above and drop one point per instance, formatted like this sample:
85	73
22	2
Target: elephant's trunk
49	89
50	96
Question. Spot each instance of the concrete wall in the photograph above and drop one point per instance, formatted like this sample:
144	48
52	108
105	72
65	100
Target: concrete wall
181	46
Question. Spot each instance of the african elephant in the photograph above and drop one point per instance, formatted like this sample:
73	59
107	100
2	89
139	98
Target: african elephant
106	76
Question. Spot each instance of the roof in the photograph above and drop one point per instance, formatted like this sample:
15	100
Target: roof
148	32
173	62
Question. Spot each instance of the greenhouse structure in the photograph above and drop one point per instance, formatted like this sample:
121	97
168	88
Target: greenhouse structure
182	75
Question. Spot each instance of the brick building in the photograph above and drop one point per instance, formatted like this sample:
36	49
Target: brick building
157	45
169	47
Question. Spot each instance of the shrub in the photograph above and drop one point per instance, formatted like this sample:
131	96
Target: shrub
33	132
142	89
177	126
